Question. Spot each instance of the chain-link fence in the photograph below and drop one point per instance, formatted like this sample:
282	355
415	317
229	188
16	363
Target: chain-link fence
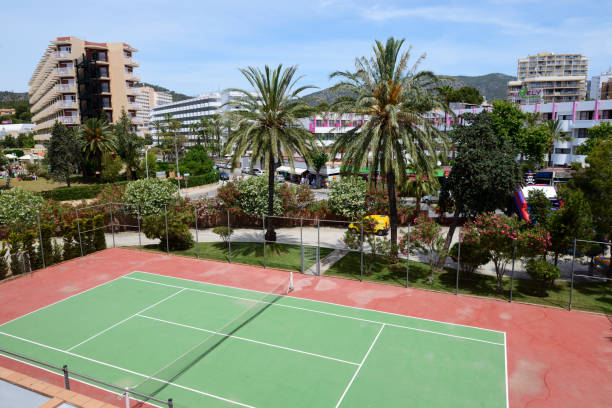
314	247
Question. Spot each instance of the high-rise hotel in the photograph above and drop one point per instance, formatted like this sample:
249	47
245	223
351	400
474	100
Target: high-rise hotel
547	77
76	80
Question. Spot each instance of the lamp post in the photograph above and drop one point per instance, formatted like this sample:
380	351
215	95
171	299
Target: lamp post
147	160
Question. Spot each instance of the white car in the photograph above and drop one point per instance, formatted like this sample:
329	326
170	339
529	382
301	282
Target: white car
246	169
258	172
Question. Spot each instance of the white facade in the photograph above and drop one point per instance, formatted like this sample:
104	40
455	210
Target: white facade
15	129
596	81
147	98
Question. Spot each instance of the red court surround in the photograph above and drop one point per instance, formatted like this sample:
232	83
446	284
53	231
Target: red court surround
556	358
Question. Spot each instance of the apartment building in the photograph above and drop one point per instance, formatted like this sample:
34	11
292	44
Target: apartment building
147	99
606	89
548	78
597	82
76	80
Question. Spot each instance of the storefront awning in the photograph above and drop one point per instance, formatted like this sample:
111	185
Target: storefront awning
287	169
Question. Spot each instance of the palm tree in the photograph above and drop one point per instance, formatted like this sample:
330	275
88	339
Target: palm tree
203	126
267	123
396	135
216	127
556	134
97	139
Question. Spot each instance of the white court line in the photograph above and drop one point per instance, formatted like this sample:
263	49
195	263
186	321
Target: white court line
319	301
249	340
319	312
506	367
125	320
128	371
360	365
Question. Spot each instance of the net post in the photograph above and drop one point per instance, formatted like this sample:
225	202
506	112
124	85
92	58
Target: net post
42	250
361	257
166	222
170	403
572	279
138	219
66	378
195	214
112	223
512	273
318	248
408	256
458	263
229	238
127	398
76	210
263	228
301	244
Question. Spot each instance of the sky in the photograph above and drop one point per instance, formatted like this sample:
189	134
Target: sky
195	47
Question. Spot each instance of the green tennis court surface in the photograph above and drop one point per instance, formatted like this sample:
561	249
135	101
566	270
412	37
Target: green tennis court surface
207	345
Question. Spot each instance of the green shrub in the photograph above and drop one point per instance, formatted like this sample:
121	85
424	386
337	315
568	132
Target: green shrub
200	180
99	240
19	206
76	192
111	166
224	232
150	194
472	256
179	236
71	248
543	273
347	197
4	267
253	196
47	231
87	236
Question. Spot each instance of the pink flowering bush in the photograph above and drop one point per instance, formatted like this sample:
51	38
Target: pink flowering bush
499	234
426	238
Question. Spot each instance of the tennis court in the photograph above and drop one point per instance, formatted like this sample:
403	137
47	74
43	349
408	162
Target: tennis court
207	345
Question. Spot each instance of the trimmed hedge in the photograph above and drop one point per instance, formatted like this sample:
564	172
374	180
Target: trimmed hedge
200	180
76	192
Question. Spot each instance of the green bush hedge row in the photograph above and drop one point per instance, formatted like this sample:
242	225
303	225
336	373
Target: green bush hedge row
76	192
201	180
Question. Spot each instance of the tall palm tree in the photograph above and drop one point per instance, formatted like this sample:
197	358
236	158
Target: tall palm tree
555	134
267	123
396	135
216	127
97	139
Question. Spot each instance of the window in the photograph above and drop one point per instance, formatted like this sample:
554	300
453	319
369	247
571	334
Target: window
581	133
104	86
106	102
103	71
563	150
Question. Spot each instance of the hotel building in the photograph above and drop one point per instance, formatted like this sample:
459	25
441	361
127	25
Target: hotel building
76	80
548	78
147	99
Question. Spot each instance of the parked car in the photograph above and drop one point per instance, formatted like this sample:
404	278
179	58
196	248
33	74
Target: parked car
429	199
257	172
223	176
279	178
380	224
246	170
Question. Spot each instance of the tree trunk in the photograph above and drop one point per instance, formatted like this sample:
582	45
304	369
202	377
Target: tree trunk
392	207
270	233
67	178
449	238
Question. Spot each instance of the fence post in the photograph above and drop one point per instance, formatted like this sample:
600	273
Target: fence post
138	218
318	248
361	257
229	238
572	280
166	222
197	251
458	264
66	379
512	273
408	256
79	230
112	224
301	244
263	228
42	251
170	404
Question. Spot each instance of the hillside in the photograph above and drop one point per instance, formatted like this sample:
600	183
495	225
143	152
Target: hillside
175	95
491	86
10	99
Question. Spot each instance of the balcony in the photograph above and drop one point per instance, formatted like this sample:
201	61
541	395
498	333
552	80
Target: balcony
69	120
65	87
133	91
130	76
66	104
63	54
136	120
131	62
64	71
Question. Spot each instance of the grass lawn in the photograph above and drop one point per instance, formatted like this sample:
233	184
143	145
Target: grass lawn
594	297
42	184
281	256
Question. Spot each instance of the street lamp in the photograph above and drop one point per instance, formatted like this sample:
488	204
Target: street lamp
147	159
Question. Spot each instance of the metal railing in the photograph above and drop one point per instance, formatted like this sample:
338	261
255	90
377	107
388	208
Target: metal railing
68	374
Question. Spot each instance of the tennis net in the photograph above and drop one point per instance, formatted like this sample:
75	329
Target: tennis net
171	372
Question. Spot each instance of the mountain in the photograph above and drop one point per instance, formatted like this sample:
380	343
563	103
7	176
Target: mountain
491	86
10	99
175	95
